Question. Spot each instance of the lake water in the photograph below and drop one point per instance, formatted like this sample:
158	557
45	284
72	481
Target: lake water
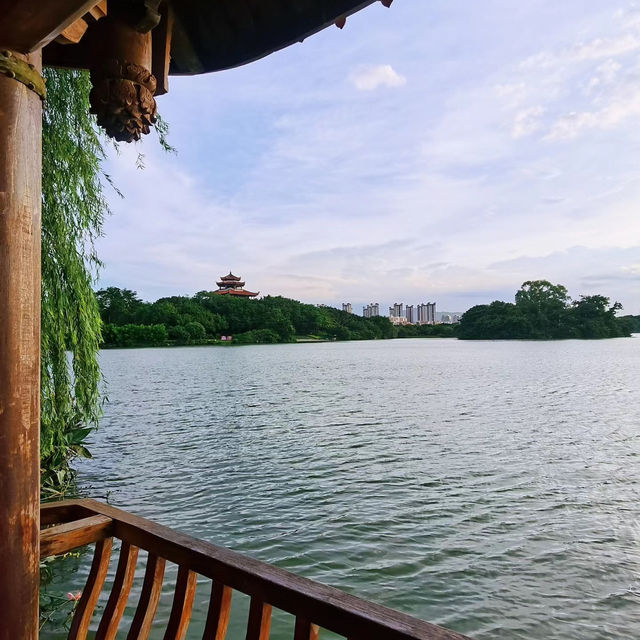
490	487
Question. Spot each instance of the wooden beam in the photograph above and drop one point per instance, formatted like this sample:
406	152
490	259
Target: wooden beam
161	49
28	25
73	33
20	212
62	538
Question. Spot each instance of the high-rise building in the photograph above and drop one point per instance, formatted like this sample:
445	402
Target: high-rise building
427	313
410	314
397	311
371	310
346	306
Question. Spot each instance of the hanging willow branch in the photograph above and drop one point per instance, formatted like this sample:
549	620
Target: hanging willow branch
73	210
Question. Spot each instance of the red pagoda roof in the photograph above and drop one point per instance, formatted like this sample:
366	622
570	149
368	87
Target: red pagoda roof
236	292
230	276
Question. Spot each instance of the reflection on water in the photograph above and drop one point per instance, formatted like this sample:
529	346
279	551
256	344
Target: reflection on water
491	487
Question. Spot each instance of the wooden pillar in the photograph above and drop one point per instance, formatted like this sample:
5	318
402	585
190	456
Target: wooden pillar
20	210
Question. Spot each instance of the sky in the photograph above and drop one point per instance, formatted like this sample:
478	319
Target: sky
439	150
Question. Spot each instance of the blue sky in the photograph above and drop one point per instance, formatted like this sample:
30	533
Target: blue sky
440	150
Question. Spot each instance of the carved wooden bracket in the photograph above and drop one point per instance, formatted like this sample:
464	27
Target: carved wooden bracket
122	98
123	86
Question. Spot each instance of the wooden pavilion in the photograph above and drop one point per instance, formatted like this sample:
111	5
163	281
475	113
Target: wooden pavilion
130	47
231	285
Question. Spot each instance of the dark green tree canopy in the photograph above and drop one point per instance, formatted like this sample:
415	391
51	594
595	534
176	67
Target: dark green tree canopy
544	311
206	316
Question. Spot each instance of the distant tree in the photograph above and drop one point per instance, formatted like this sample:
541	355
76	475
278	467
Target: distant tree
195	330
118	306
135	335
543	311
179	334
495	321
544	305
594	318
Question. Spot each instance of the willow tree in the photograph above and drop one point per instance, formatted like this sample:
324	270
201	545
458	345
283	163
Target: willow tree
73	211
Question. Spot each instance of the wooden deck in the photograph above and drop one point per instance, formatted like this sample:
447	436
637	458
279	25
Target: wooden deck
75	523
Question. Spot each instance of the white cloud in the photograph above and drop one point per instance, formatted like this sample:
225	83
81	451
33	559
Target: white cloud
368	78
632	269
617	111
595	49
325	195
605	74
527	121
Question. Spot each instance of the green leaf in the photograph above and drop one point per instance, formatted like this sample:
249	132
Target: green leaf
82	452
77	436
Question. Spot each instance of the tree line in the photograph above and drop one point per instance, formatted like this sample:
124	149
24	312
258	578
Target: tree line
544	311
203	318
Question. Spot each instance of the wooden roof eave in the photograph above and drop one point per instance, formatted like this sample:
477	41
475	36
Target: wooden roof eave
231	33
214	36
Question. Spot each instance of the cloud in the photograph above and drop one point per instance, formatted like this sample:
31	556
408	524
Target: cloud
595	49
527	121
368	78
327	194
619	109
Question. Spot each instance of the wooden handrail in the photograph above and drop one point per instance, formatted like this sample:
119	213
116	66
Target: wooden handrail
62	538
313	604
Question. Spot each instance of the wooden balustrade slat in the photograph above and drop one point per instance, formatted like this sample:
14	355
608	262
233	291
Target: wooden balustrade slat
91	593
330	608
305	630
219	610
125	572
183	596
259	622
149	598
71	535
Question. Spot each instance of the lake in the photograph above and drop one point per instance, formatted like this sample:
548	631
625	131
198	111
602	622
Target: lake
490	487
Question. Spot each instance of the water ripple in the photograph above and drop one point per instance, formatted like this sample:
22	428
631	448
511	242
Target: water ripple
489	487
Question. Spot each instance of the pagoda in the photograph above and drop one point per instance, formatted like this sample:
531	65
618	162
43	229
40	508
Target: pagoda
233	286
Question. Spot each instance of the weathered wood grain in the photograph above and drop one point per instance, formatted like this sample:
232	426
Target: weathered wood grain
61	512
183	596
149	598
304	630
91	592
20	209
161	49
62	538
28	25
219	611
259	623
73	33
108	627
329	608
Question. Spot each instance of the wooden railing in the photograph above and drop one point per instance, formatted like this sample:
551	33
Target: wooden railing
72	524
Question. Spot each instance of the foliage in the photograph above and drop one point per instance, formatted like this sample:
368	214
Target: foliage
427	331
73	207
136	335
544	311
56	605
206	316
631	323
